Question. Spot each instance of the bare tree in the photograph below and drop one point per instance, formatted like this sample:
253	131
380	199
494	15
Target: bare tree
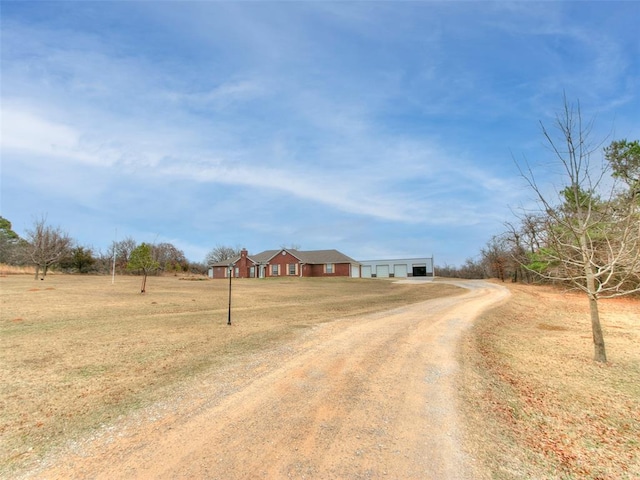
104	260
470	269
523	241
220	253
123	249
497	258
47	245
169	257
586	242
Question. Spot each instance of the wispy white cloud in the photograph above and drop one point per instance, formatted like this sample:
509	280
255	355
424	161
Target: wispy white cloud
30	133
392	119
219	97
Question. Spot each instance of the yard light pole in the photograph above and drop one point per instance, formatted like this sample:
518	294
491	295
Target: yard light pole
230	271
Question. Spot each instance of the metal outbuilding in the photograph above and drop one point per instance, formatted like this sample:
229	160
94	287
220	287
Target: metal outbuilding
397	268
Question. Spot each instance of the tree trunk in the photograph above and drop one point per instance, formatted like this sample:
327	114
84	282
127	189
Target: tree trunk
144	283
599	354
37	271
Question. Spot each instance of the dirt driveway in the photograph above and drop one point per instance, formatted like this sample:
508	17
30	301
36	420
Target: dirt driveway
366	397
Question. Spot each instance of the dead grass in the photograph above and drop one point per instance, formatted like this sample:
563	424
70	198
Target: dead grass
16	270
77	352
537	405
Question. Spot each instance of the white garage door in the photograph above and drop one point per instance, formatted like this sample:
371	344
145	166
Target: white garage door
382	271
355	271
366	271
400	270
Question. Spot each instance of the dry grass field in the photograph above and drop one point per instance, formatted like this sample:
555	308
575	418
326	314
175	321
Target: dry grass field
537	406
78	352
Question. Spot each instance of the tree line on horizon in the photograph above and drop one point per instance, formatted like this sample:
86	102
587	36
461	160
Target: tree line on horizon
47	247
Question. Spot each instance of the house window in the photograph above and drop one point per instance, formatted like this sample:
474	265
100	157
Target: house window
252	272
292	269
328	268
237	274
274	270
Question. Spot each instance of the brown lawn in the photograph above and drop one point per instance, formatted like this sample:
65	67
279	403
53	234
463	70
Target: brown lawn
78	352
536	403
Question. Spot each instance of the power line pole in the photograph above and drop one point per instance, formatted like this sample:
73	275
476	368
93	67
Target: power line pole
113	271
229	318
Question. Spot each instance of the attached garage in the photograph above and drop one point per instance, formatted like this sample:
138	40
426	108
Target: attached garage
355	271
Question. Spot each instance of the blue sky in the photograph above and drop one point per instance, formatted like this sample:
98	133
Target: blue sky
381	129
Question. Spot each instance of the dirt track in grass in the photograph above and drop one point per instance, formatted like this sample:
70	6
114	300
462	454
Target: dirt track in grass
364	397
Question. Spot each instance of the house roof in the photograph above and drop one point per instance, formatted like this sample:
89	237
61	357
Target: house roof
264	257
225	263
312	257
321	256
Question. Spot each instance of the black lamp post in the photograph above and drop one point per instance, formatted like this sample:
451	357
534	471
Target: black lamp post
230	271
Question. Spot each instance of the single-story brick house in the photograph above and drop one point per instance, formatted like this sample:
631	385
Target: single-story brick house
287	262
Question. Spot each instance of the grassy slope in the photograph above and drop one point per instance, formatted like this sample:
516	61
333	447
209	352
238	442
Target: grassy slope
537	405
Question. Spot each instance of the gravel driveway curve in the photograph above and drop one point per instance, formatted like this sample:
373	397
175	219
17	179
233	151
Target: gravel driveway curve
357	398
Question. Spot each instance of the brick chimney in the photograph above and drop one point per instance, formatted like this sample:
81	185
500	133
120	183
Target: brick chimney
243	268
